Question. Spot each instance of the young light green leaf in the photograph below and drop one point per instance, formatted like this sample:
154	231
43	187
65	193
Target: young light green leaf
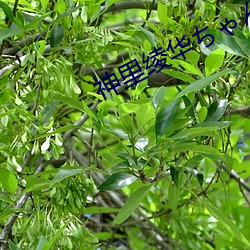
8	180
132	203
162	12
214	61
166	117
229	224
128	108
117	181
44	3
56	35
202	114
197	85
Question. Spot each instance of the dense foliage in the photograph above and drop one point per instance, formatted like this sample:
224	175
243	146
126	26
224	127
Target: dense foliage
163	164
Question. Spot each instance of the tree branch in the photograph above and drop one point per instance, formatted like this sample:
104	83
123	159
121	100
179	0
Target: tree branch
236	177
21	44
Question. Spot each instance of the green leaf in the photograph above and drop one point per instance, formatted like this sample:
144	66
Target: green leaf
202	114
216	110
8	180
49	244
49	110
214	61
98	210
227	223
13	246
9	211
128	108
158	97
41	243
179	75
193	132
173	196
35	183
166	117
66	172
7	10
144	34
189	68
219	125
197	85
239	1
198	175
226	42
56	35
162	12
13	31
174	172
70	101
44	3
68	12
117	181
132	203
204	150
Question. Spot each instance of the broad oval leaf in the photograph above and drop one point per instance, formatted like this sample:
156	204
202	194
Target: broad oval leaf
8	180
166	117
132	203
117	181
56	35
214	61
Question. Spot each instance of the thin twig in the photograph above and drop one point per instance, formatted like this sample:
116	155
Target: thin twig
37	97
148	14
